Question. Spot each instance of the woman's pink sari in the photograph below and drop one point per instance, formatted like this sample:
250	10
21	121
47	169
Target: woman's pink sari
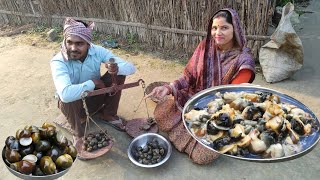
207	67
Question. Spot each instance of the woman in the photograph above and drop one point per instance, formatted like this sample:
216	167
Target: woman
221	58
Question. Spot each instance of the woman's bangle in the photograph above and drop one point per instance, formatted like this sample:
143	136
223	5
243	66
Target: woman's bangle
169	89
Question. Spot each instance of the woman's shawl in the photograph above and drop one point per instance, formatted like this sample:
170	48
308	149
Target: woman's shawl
210	67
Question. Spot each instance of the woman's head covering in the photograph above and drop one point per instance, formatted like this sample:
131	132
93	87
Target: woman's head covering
73	27
209	66
238	31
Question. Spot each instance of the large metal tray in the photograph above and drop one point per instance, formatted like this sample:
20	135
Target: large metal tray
201	99
32	177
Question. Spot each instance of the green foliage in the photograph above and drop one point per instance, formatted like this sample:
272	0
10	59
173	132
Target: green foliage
58	29
299	12
283	2
109	37
131	38
183	61
95	35
39	28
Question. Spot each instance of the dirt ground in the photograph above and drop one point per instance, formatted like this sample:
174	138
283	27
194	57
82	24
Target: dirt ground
27	90
26	98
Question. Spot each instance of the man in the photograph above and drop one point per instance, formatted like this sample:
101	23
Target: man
77	69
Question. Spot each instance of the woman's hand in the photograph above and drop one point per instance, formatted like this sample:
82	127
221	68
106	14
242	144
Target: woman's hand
158	92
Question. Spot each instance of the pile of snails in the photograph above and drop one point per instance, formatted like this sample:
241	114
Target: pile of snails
151	153
39	151
95	141
252	123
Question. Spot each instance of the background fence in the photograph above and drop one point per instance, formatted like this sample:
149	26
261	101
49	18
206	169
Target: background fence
170	24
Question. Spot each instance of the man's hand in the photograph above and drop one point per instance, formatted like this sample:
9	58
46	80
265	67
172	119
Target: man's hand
98	84
112	66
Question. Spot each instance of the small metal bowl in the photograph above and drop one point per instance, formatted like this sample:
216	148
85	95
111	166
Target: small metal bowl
141	141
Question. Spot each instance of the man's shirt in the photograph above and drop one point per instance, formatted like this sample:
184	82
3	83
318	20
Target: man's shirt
73	77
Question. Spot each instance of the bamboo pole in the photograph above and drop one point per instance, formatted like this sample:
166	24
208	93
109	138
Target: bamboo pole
123	23
167	23
171	30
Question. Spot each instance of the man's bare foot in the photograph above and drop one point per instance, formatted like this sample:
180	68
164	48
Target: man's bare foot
114	121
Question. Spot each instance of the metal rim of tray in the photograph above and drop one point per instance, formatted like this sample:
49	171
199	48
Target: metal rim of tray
250	88
32	177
